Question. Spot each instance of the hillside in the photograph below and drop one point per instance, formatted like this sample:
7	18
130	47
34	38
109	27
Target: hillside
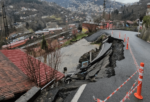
76	3
131	12
35	14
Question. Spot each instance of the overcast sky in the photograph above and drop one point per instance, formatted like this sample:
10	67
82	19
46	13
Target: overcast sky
127	1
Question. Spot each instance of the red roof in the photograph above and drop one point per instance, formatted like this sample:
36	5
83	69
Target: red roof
130	22
12	79
15	44
17	55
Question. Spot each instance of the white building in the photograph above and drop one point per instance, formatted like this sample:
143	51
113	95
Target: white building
53	29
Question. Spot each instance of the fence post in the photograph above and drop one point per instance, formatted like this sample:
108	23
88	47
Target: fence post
139	88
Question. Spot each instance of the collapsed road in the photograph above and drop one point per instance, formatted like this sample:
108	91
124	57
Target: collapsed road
120	61
102	66
123	70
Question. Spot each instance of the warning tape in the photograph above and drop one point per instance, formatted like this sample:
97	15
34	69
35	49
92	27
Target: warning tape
129	93
135	62
98	100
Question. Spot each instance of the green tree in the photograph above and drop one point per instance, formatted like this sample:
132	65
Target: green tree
80	27
44	45
146	21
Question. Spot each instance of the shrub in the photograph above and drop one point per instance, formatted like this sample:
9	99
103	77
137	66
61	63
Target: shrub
146	21
44	45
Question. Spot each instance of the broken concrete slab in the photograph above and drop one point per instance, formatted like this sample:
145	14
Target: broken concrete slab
30	95
105	47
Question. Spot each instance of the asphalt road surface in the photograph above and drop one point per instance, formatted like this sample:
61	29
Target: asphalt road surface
124	69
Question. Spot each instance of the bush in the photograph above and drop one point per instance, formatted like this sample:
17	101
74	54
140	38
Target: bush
66	43
128	29
44	45
79	36
146	21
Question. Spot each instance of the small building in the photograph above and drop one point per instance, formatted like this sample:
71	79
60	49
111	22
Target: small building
53	29
11	6
72	26
89	26
51	25
41	33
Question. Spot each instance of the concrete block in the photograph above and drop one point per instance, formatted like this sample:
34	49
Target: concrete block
30	95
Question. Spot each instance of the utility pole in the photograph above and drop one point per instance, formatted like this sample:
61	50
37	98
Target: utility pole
109	15
104	13
109	12
104	6
5	24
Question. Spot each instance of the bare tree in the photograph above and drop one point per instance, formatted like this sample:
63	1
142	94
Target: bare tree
74	33
39	72
31	66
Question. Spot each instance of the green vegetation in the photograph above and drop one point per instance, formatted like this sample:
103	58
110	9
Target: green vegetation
99	40
66	43
54	17
79	36
146	21
128	29
31	30
58	19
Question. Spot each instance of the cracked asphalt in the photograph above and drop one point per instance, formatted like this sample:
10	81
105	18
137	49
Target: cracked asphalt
124	69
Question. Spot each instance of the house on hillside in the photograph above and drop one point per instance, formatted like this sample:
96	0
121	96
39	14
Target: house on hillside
23	9
43	17
11	6
51	25
53	30
72	26
89	27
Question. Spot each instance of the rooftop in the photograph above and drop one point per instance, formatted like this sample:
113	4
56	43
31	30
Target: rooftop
12	79
12	74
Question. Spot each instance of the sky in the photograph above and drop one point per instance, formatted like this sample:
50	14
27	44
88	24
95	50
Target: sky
127	1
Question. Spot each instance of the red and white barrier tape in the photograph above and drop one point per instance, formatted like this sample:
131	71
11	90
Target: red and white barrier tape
135	62
129	93
98	100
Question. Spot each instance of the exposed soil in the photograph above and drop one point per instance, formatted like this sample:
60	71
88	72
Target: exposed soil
117	55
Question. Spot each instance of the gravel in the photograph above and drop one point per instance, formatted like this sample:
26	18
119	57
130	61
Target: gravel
72	53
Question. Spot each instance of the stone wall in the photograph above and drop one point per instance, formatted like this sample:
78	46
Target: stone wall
145	34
